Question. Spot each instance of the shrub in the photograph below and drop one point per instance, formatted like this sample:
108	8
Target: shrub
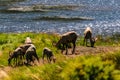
88	69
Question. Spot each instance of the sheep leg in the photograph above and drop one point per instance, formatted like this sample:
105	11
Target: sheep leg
28	58
86	42
16	61
66	49
22	59
28	61
90	41
74	45
19	60
35	55
32	60
63	48
48	59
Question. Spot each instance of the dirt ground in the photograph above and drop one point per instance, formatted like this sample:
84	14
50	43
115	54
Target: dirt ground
83	50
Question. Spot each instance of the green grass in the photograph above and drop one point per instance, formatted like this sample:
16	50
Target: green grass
90	67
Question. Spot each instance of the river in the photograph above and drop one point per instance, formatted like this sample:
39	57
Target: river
60	16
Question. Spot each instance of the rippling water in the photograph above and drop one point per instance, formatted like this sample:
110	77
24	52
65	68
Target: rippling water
105	15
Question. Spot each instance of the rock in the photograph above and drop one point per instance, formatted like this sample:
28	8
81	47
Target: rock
3	75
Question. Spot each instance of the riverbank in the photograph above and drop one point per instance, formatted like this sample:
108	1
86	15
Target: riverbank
101	62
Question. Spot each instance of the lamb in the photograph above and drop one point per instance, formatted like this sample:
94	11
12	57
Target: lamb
66	39
49	54
15	55
88	35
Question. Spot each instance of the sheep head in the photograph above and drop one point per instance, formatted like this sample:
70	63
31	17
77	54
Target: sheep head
10	57
92	41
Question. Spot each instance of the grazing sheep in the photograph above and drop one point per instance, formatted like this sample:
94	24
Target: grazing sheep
30	53
24	48
49	54
66	39
15	55
88	36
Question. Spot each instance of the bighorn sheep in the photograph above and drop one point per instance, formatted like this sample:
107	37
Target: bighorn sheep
66	39
49	54
29	50
17	53
30	53
24	48
88	35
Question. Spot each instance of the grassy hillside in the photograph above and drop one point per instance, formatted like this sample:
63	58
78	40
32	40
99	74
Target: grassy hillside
71	67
